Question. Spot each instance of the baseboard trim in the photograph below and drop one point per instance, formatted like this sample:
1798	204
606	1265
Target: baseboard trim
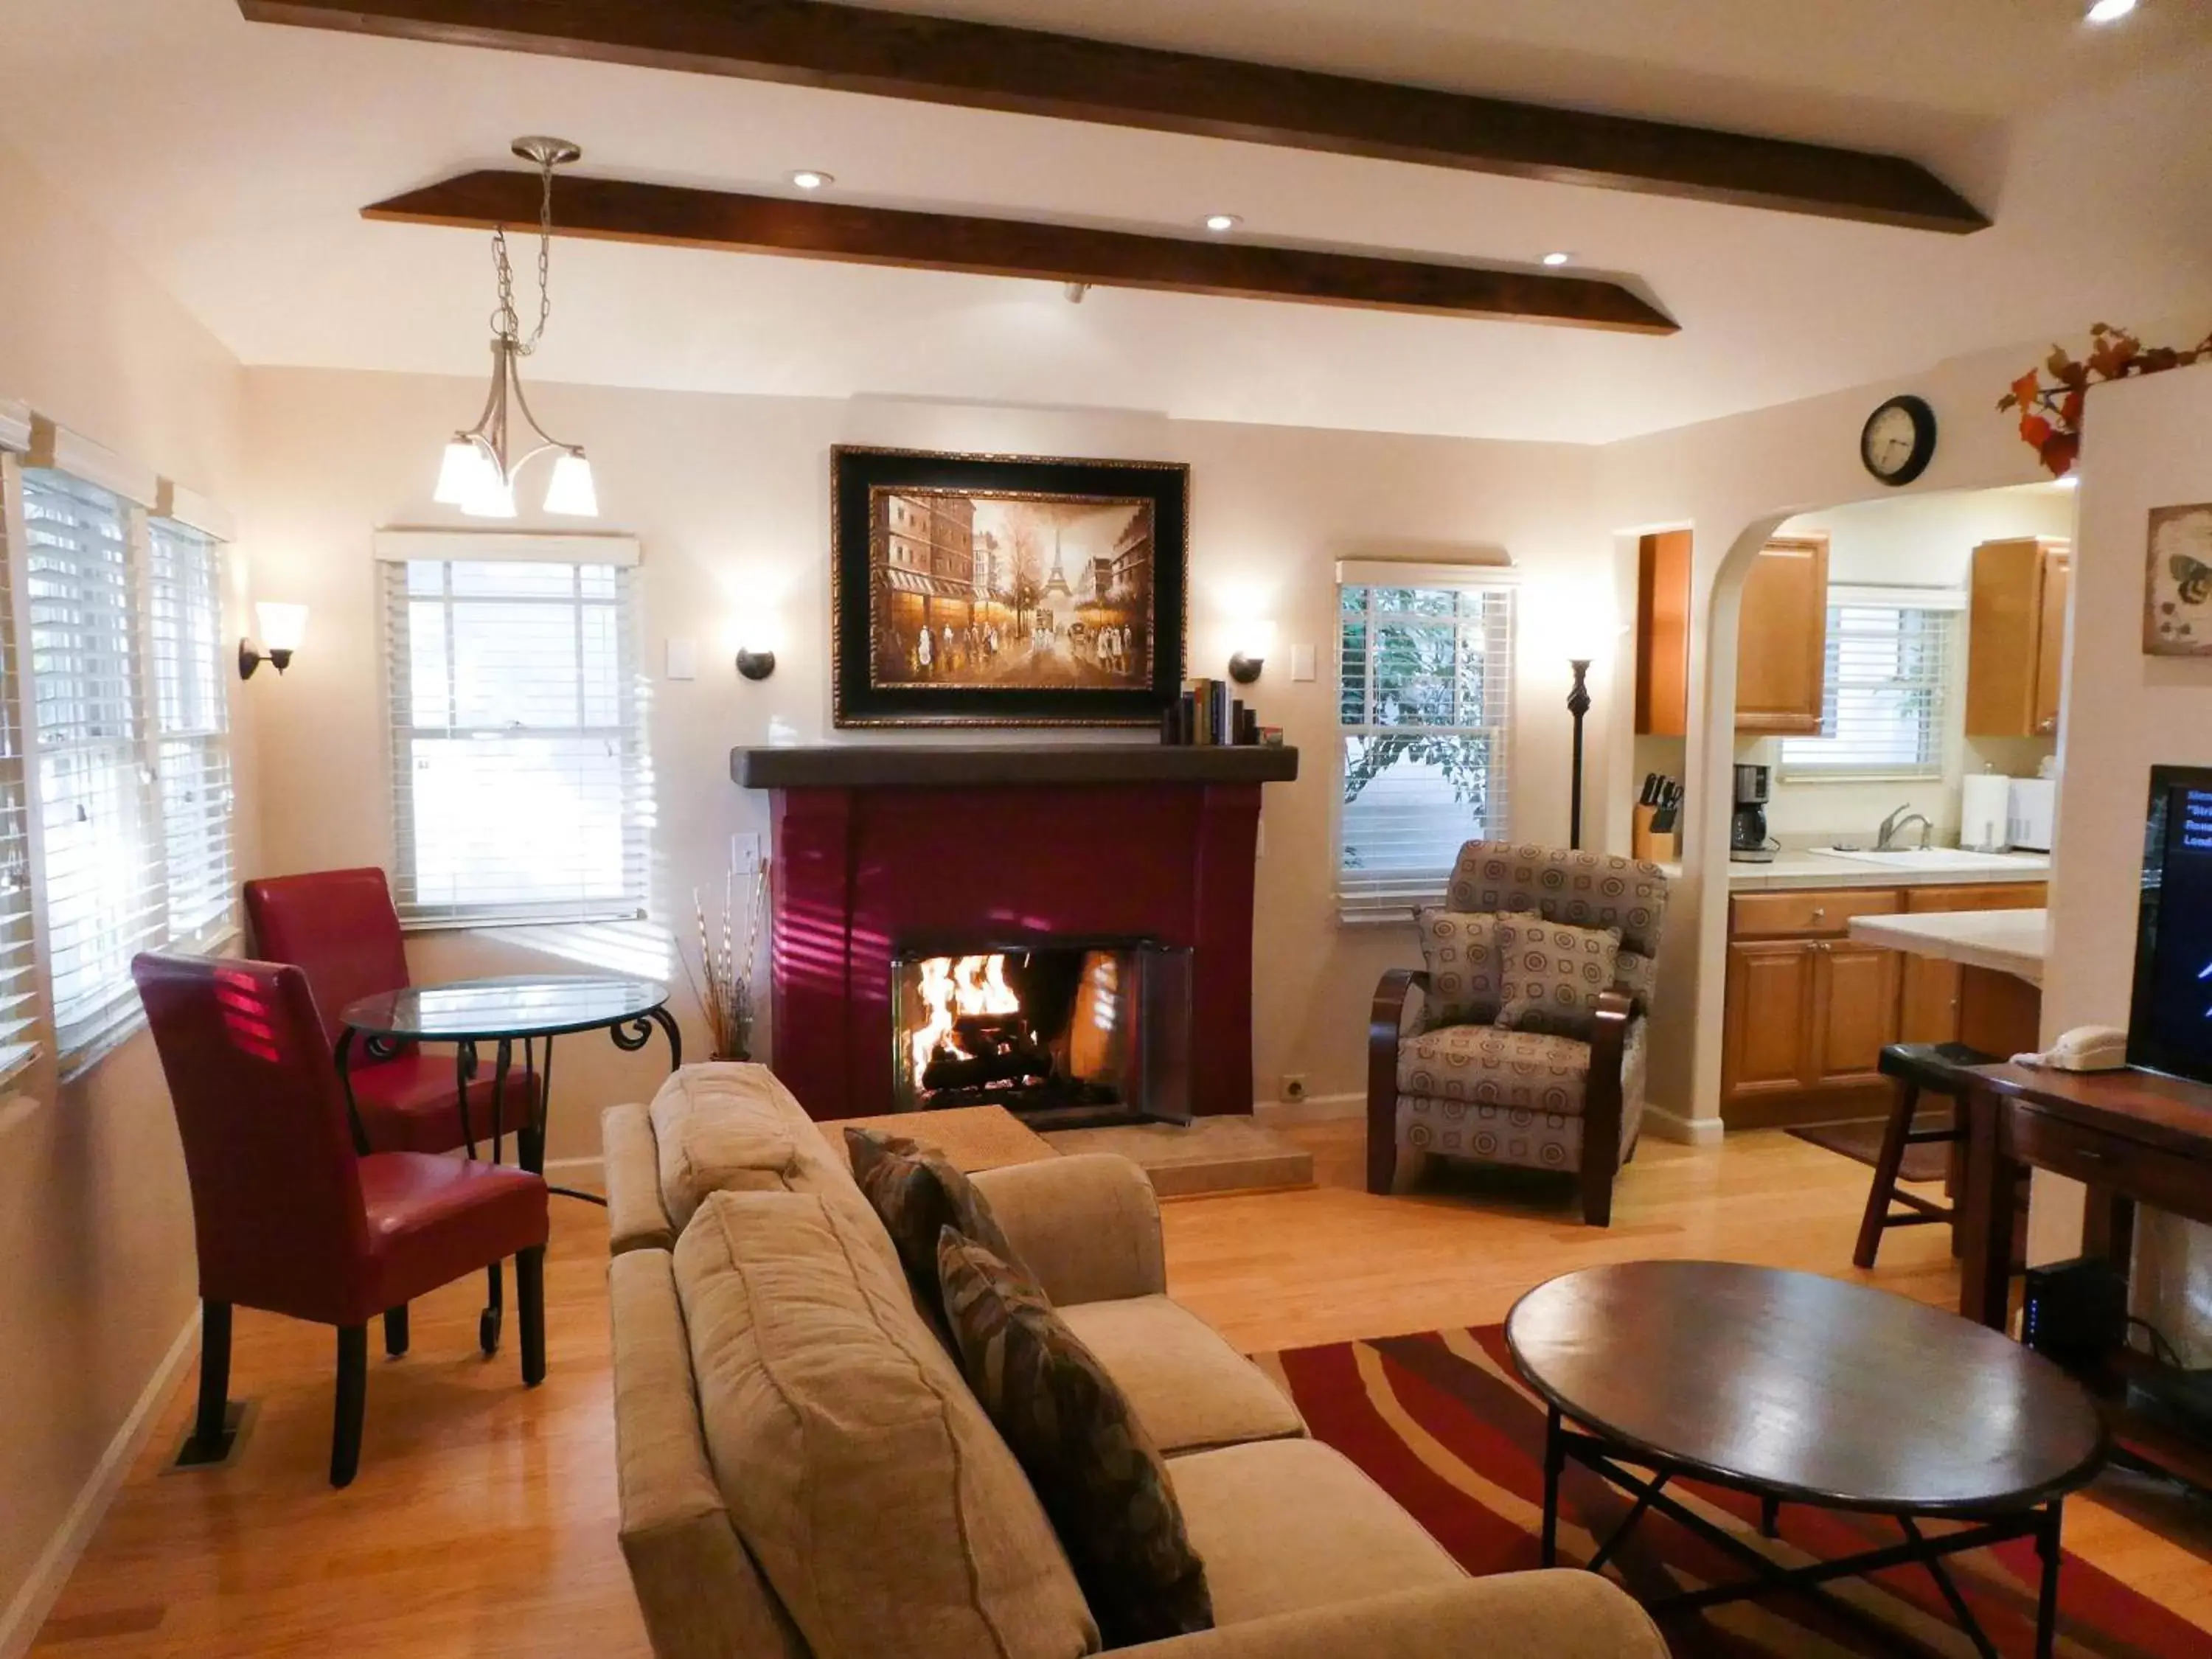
1314	1109
565	1167
1690	1131
34	1600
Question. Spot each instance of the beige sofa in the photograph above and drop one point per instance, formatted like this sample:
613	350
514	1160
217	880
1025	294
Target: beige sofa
803	1474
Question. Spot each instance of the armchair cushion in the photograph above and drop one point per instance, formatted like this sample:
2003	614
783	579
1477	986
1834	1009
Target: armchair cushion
1484	1066
1461	951
1552	974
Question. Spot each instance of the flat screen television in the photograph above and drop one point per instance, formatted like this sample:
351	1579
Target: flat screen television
2170	1020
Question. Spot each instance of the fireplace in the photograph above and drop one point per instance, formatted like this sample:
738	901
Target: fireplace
1065	1034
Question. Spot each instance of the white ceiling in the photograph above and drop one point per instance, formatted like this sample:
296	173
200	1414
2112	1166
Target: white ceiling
232	159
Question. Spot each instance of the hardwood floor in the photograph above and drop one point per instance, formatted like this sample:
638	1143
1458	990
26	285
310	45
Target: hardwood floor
483	1519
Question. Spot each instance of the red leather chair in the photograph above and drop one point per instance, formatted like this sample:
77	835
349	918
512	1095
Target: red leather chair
339	925
287	1215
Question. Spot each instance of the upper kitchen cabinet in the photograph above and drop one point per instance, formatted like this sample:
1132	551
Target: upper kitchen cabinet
2016	637
1782	640
1662	635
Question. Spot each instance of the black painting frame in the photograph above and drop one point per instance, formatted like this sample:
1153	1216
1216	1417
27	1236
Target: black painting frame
856	702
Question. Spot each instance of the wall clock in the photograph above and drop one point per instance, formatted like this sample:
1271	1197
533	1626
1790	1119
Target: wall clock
1899	439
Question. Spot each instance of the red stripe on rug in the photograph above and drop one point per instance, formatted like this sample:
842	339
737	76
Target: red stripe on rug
1484	1423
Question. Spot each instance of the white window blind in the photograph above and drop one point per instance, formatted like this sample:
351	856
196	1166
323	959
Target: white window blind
19	1008
1889	688
522	785
98	809
191	722
1426	701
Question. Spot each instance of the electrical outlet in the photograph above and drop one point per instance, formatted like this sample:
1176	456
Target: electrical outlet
1294	1087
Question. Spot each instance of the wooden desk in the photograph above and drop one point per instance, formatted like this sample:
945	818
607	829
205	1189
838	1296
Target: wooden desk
2131	1137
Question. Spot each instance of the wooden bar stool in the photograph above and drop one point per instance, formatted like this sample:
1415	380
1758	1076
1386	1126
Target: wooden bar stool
1934	1068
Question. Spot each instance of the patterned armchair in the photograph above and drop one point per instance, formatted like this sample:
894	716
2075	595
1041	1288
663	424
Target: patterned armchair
1564	1092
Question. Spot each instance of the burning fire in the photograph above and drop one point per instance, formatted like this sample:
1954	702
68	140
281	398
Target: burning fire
956	989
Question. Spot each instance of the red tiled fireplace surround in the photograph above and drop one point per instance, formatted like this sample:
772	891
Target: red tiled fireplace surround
876	846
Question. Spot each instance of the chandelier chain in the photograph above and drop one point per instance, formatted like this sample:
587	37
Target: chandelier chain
506	321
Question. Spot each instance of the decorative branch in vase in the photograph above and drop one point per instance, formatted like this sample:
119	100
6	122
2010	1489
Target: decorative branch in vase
726	994
2051	415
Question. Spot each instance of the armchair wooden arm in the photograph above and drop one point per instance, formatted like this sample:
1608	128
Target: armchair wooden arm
1602	1105
1399	990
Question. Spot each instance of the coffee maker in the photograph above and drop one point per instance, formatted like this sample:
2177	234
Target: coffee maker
1748	842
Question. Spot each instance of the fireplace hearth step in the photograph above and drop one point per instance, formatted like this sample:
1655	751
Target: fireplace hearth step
1210	1157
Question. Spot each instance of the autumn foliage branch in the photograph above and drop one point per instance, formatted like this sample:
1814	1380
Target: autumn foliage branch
2050	415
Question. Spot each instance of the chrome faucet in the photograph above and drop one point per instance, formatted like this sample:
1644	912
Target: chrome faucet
1896	824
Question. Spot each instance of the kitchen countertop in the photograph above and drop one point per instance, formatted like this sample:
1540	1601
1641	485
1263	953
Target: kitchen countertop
1803	867
2006	941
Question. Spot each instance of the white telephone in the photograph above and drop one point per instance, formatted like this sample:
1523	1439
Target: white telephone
2084	1048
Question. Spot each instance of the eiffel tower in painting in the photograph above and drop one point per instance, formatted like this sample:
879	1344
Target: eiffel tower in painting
1056	586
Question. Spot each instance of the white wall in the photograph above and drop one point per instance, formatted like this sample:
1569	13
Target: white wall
96	1274
731	497
1914	541
2144	447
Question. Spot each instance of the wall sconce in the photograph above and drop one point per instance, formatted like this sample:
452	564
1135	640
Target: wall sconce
757	640
1257	639
283	626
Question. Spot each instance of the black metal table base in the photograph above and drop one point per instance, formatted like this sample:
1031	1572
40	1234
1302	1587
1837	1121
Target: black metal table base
1605	1458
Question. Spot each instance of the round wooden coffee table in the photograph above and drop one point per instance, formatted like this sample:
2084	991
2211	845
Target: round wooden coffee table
1800	1389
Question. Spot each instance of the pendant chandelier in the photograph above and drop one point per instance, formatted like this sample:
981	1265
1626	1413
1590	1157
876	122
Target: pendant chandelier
479	471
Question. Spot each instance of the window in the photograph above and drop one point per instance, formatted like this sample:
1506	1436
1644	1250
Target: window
1426	704
19	1002
522	790
1888	691
98	808
191	723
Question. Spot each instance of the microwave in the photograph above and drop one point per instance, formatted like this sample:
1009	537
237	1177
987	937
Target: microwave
2030	814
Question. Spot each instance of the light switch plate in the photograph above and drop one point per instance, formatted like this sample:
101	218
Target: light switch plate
1302	662
683	659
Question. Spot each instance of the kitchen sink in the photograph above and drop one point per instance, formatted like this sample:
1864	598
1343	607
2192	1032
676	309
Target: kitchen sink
1924	858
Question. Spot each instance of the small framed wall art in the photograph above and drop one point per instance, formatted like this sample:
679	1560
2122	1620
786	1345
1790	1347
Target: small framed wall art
2178	597
994	590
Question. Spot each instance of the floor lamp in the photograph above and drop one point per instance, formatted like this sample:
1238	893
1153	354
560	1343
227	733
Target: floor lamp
1578	705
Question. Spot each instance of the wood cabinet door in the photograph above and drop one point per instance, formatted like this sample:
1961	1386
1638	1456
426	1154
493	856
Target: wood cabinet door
1855	1012
1768	1046
1662	635
1928	1002
2051	640
1782	640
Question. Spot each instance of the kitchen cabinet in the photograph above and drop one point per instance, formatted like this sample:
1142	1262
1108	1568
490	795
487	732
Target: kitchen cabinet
1781	639
2016	637
1769	1033
1662	635
1855	989
1808	1013
1932	1009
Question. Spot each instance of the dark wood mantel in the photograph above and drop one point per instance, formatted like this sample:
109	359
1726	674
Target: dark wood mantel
969	766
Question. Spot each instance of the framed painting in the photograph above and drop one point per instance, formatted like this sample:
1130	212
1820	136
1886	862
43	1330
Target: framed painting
2178	599
996	590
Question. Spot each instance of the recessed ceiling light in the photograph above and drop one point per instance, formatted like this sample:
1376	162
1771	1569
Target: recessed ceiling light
1559	259
2110	11
1222	223
808	178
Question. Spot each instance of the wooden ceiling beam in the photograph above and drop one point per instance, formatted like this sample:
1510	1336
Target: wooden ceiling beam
614	210
992	66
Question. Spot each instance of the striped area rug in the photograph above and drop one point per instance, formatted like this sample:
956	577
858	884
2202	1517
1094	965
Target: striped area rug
1441	1424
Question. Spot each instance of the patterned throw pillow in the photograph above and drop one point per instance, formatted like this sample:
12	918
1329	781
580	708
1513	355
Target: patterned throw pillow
1461	951
1553	974
917	1194
1092	1465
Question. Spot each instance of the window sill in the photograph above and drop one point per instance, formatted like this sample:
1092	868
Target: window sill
1937	776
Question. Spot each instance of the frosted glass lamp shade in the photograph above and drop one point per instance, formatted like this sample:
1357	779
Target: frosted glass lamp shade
283	626
461	474
571	493
490	497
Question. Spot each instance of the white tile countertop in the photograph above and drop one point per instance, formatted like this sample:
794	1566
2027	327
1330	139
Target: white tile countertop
1800	868
2006	941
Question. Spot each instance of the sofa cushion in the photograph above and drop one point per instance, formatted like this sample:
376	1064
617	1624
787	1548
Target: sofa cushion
1188	1386
860	1473
1459	950
1289	1524
1101	1478
1552	974
720	1129
917	1193
1483	1065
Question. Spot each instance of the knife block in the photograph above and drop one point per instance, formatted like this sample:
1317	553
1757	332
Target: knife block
1644	844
